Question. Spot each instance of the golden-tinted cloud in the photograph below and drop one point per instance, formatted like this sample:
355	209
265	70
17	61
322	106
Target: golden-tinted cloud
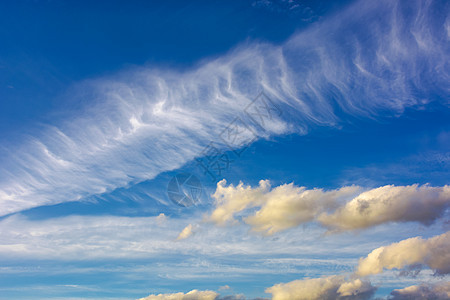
432	252
346	208
332	287
186	232
440	291
390	204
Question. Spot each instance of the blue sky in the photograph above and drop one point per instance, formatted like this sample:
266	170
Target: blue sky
328	121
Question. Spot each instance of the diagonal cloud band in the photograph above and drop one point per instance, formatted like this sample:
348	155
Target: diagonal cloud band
368	59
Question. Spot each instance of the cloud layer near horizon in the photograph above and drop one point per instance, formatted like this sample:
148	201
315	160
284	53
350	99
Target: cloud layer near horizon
139	123
432	252
192	295
347	208
325	288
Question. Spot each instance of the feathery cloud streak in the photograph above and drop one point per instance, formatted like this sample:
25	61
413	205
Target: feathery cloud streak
372	57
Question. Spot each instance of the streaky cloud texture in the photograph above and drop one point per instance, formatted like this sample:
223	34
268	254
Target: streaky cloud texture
374	57
347	208
406	253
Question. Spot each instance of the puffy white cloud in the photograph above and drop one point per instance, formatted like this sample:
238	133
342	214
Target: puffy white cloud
281	208
432	252
390	204
134	125
346	208
287	206
230	200
192	295
439	291
332	287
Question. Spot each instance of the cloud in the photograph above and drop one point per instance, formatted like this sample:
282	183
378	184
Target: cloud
281	208
192	295
439	291
390	204
134	125
332	287
185	233
347	208
115	237
432	252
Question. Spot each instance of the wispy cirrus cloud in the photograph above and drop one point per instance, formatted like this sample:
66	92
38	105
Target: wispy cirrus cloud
99	239
139	123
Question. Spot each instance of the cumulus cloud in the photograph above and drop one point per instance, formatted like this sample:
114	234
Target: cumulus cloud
439	291
192	295
186	232
137	124
280	208
332	287
432	252
346	208
390	204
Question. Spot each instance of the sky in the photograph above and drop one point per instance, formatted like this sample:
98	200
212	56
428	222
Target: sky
249	149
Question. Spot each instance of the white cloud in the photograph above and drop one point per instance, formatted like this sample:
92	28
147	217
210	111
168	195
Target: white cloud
348	208
139	123
390	203
113	237
152	250
432	252
283	207
332	287
192	295
438	291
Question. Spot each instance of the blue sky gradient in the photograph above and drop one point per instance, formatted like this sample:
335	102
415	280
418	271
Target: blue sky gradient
102	104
